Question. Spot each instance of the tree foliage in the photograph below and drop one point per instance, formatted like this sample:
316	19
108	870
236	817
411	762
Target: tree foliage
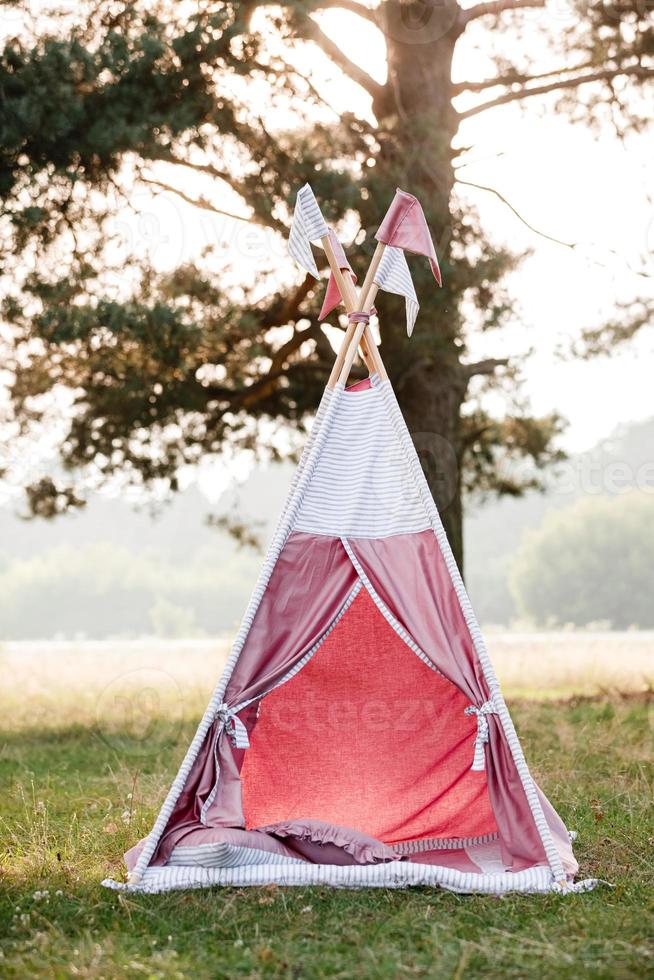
162	369
590	562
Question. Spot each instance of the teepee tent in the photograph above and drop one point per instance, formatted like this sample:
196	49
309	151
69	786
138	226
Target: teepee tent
358	735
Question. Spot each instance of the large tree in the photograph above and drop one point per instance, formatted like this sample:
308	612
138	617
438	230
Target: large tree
146	372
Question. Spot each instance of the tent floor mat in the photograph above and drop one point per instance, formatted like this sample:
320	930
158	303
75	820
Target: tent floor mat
395	874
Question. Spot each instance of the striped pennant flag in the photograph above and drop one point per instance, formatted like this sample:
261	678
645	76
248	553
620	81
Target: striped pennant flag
308	225
394	277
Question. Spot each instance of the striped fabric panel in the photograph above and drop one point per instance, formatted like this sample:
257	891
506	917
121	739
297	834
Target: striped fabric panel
308	225
276	545
395	874
362	486
442	844
225	855
473	628
394	277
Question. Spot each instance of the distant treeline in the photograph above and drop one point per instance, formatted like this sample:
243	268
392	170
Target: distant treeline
591	562
104	590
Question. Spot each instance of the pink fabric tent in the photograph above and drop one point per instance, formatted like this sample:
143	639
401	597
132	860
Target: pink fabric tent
360	697
358	736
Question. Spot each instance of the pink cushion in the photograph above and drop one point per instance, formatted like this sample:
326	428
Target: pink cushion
327	843
221	835
231	835
456	858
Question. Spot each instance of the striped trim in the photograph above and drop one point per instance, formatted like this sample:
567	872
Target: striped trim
362	486
394	874
308	225
274	551
508	727
394	277
314	649
224	855
385	611
442	844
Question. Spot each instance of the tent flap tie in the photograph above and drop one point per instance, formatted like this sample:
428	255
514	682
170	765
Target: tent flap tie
231	724
234	727
487	708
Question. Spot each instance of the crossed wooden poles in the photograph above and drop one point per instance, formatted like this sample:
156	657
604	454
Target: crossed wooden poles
404	228
357	333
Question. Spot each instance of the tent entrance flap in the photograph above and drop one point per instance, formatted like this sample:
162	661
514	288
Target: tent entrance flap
367	736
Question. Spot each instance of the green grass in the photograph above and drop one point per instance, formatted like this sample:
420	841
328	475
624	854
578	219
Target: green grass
73	798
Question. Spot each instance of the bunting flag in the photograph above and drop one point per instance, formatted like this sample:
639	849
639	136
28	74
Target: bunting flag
308	226
405	226
393	276
333	294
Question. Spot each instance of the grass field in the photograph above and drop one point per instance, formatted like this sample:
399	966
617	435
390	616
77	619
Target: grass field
90	738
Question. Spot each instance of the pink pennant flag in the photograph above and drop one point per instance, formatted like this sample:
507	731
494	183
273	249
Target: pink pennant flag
405	226
333	295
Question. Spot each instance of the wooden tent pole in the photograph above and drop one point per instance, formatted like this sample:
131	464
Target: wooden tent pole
340	357
372	272
352	303
366	301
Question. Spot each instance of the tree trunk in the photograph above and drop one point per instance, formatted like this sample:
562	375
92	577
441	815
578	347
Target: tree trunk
416	112
431	399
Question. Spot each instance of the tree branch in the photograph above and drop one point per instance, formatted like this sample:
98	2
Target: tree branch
197	202
212	171
550	238
167	156
355	8
281	356
266	386
487	366
492	190
312	32
494	7
516	78
285	309
636	71
290	69
203	168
